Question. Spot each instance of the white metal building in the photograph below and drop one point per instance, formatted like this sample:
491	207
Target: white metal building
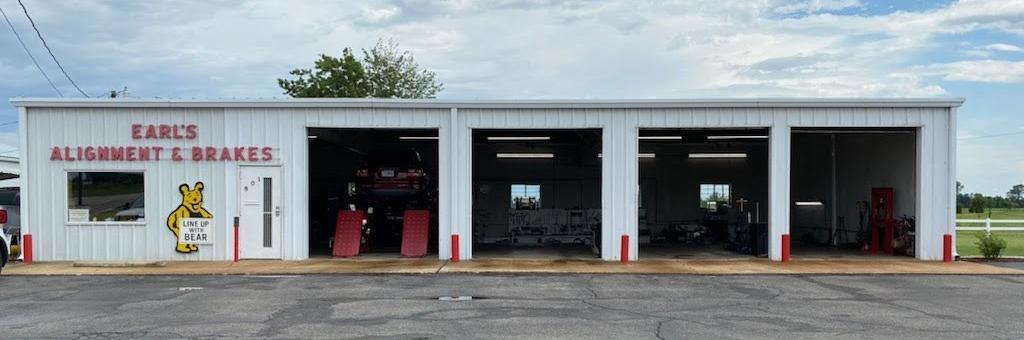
63	138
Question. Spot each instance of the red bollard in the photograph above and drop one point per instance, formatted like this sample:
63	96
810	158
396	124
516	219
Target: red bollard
947	248
455	248
26	241
785	248
624	256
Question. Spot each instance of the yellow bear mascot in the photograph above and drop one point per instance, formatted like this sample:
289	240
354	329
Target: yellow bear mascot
191	207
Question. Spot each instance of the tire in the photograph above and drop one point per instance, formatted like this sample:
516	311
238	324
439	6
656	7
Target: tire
4	253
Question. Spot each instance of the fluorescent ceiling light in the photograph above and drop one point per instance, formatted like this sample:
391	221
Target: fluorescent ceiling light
515	138
718	155
811	203
312	137
661	137
736	137
418	138
525	155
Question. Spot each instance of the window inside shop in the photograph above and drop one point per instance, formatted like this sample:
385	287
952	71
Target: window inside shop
525	196
106	197
713	195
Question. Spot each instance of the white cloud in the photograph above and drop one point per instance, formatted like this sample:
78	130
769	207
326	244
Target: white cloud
987	71
1003	48
815	6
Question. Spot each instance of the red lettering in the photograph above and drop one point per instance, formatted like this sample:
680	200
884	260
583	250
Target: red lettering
165	131
130	154
90	153
143	153
239	154
211	153
151	132
104	153
225	154
156	152
78	153
67	154
197	153
176	134
191	131
117	153
267	154
55	154
136	131
251	152
176	154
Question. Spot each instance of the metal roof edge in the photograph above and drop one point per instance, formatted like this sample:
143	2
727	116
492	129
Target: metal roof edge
485	104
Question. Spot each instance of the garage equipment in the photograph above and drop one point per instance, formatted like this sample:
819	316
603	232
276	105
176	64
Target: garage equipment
415	232
348	233
882	221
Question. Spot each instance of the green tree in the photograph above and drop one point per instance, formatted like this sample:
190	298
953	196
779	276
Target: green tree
978	203
1016	195
383	72
333	77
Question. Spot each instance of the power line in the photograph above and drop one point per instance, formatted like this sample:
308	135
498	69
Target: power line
40	35
30	56
993	135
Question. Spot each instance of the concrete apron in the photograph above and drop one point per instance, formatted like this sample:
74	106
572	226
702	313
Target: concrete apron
832	266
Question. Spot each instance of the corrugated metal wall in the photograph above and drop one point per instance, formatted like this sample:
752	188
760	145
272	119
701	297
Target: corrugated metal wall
283	128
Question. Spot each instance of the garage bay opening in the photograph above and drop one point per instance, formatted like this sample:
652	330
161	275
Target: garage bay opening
372	191
537	193
854	192
703	193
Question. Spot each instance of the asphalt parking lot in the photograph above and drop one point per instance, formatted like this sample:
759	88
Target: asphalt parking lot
512	306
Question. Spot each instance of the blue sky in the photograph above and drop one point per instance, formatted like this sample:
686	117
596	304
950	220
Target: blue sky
555	49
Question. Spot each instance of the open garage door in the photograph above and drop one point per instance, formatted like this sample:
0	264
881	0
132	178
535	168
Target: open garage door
854	192
537	193
372	191
703	193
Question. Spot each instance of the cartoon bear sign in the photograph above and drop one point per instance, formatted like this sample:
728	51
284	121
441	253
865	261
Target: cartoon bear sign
191	207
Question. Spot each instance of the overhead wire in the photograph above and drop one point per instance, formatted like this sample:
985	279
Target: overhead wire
47	46
30	56
992	135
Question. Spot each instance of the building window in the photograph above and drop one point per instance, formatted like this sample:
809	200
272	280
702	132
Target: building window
106	196
525	196
713	195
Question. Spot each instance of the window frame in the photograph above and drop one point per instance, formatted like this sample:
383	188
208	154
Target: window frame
714	186
67	207
526	186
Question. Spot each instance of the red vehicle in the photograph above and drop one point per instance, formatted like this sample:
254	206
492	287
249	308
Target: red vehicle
392	173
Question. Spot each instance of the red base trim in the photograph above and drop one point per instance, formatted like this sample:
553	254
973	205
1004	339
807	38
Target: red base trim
624	255
455	248
785	248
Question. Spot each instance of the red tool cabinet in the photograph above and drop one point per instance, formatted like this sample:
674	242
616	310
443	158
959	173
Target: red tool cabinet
882	222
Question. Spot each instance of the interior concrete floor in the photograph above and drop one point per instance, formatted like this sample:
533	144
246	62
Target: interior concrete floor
799	250
558	251
689	251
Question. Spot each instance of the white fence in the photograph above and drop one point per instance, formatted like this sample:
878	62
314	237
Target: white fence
988	222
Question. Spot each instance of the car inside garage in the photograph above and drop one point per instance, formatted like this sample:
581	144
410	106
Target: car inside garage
536	193
703	193
372	191
853	191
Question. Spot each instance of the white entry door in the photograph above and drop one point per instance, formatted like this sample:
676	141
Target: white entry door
260	213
